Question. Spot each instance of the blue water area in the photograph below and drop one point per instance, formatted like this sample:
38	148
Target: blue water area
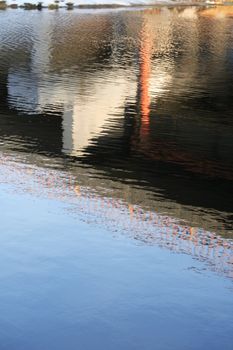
70	284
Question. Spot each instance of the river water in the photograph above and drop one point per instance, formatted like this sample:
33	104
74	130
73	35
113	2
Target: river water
116	179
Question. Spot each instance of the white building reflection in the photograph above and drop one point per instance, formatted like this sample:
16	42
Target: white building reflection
92	84
89	101
88	116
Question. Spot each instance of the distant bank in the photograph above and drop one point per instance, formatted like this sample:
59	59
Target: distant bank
69	4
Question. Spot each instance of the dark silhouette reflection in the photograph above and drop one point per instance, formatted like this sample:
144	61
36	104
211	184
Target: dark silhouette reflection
147	101
145	226
40	132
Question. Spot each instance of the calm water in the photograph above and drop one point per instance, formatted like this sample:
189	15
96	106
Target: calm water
116	179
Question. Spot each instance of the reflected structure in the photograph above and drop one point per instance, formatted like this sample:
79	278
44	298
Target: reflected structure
147	103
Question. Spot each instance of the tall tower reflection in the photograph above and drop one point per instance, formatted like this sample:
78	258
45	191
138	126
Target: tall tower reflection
144	76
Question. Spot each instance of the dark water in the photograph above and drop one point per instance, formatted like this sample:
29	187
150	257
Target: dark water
145	96
126	118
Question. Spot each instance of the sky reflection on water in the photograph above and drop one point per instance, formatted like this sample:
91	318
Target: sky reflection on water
70	278
107	210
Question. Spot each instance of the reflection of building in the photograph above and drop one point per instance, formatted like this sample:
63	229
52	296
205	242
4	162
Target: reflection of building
84	117
127	101
88	117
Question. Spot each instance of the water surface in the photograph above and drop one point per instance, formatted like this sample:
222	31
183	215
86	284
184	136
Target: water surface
116	179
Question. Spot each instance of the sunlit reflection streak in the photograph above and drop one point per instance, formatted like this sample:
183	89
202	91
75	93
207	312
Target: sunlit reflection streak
144	76
144	226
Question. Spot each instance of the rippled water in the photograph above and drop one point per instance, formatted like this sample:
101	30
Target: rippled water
125	117
145	96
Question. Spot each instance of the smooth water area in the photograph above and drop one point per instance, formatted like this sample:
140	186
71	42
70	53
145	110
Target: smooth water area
66	284
116	179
